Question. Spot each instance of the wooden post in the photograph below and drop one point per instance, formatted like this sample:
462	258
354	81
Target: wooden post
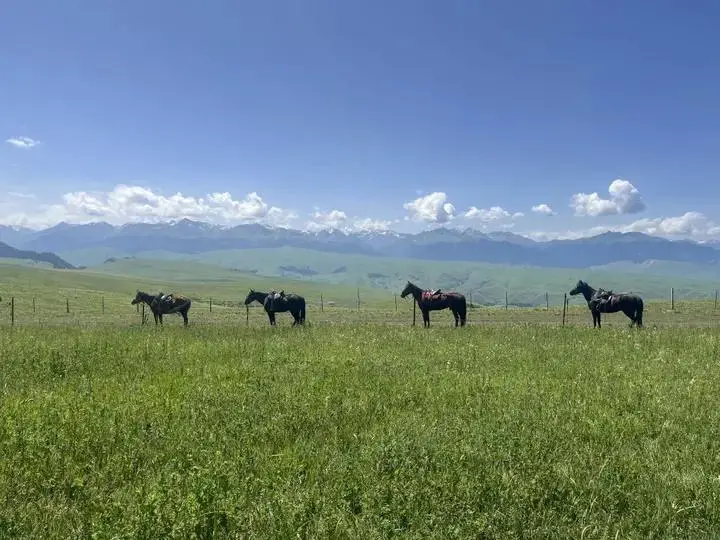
211	305
247	315
33	305
716	298
547	302
414	308
358	298
672	298
322	304
396	302
564	307
12	311
67	305
102	304
470	298
506	301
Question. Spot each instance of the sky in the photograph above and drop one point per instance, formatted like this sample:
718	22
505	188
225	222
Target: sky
551	119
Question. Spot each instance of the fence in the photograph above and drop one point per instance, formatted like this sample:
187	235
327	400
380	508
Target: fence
89	308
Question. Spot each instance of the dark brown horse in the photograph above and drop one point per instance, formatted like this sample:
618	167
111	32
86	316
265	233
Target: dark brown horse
277	302
429	301
162	304
609	302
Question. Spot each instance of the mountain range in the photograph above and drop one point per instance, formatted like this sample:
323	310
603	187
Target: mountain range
442	244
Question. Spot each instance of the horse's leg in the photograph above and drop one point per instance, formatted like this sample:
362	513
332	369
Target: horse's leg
184	316
426	318
457	317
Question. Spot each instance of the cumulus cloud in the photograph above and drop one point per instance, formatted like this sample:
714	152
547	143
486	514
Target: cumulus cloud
624	199
494	213
690	225
127	203
22	142
544	209
338	220
432	208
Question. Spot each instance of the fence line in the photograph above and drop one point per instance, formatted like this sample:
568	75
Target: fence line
381	311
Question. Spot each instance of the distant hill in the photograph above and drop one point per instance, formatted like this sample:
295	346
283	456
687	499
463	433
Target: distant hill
9	252
94	243
486	283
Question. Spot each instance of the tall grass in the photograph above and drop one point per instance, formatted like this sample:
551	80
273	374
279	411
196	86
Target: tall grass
359	432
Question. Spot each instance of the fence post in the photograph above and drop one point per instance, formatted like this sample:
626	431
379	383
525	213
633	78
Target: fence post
414	308
547	302
358	298
67	305
12	311
322	304
33	305
247	315
211	305
672	298
564	307
716	298
396	302
470	297
102	303
506	300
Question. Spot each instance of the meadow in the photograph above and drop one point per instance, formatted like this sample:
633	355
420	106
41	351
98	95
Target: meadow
359	431
355	426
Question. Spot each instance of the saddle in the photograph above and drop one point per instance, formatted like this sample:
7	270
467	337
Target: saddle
276	297
601	298
429	295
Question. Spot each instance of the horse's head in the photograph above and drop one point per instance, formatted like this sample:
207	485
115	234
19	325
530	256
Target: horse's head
137	299
252	295
580	286
407	290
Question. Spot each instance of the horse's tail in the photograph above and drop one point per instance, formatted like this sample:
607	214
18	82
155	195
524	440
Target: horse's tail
462	310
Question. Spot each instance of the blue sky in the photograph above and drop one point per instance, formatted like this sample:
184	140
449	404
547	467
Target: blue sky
384	112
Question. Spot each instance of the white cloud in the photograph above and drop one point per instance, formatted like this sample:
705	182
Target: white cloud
494	213
624	199
544	209
139	204
690	225
432	208
20	195
22	142
338	220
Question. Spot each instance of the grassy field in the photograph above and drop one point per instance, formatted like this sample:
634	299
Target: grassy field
359	431
355	426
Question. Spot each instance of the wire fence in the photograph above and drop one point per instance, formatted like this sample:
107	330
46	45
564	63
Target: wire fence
87	308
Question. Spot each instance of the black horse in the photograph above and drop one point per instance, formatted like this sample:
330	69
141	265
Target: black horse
609	302
277	302
429	301
162	304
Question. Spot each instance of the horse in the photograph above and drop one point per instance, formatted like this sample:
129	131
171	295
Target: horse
432	300
277	302
162	304
610	302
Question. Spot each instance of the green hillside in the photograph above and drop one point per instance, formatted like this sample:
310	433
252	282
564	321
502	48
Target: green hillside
486	283
200	281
